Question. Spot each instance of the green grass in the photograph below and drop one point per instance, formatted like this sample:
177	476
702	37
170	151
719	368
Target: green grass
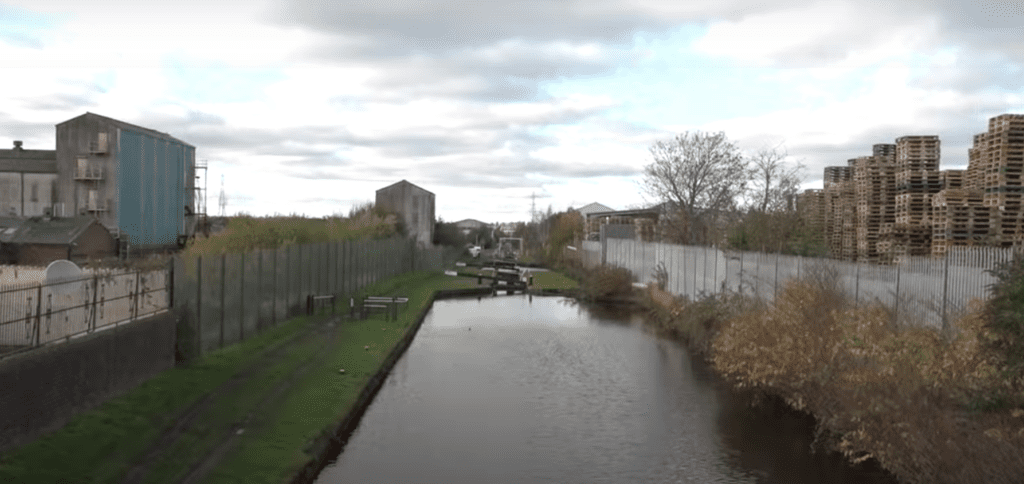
101	445
553	280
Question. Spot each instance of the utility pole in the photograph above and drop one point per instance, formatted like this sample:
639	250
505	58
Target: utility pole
223	198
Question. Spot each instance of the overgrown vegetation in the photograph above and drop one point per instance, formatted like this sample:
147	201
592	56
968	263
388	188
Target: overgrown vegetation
245	233
929	408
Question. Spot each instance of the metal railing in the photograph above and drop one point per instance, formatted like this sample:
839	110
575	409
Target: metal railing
33	315
919	290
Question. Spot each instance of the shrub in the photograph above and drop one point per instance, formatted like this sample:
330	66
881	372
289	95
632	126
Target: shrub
607	283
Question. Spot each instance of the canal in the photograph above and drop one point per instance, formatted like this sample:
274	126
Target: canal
541	389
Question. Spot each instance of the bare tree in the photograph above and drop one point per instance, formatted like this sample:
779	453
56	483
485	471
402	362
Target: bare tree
698	176
774	184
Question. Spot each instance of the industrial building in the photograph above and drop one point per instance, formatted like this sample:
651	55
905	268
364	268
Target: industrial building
28	181
415	207
139	183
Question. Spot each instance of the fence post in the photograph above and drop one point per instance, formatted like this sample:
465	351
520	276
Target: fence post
896	311
199	305
740	284
223	289
714	287
241	297
39	311
273	319
945	288
135	296
259	288
775	292
95	292
287	280
856	286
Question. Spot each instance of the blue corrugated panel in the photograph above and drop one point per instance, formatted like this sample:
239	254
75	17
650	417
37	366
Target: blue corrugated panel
152	200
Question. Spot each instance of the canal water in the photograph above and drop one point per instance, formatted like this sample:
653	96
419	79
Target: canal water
519	389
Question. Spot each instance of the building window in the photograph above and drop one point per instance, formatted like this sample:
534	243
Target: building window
35	192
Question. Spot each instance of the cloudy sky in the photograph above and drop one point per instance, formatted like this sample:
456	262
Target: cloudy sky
310	106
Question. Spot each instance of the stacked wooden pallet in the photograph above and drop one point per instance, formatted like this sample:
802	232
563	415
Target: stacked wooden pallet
811	208
917	179
836	174
953	179
838	194
959	218
999	153
875	191
918	153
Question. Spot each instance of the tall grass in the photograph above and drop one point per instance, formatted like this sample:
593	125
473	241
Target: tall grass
245	233
922	404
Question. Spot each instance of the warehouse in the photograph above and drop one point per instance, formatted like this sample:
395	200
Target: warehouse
139	183
28	180
414	205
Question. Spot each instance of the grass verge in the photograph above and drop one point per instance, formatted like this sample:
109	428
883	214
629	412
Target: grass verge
277	427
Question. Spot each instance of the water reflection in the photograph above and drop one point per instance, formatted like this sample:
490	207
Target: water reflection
514	389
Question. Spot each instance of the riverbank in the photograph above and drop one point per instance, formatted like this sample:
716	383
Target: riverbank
259	411
914	401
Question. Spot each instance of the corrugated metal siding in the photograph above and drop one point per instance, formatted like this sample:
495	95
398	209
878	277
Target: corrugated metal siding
151	198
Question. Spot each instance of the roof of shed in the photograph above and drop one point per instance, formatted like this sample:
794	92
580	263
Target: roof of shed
8	226
55	231
404	182
28	161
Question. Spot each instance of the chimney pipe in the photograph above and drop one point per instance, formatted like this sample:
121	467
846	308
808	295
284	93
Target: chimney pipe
17	145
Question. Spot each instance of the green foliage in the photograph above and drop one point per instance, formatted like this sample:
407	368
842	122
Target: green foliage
448	234
1005	312
563	228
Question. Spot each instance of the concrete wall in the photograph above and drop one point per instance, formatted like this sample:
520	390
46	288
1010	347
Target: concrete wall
43	389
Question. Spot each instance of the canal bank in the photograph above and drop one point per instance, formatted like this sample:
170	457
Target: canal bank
252	412
916	402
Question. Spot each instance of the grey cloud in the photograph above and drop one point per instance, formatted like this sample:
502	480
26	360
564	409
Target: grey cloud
412	25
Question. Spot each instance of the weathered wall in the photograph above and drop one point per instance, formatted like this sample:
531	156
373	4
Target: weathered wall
41	390
416	207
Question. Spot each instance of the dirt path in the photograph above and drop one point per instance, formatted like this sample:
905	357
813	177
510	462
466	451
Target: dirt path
188	418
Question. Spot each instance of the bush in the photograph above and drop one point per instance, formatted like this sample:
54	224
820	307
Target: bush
1005	313
607	283
903	397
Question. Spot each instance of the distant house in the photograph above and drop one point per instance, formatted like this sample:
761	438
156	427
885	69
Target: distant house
468	225
28	181
414	205
639	224
41	240
592	208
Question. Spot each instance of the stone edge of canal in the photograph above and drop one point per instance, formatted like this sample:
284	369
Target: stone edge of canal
325	449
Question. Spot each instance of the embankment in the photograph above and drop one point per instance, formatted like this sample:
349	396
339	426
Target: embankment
915	401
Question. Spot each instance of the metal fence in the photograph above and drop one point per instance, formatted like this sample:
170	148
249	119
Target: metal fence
227	298
32	315
222	299
919	290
